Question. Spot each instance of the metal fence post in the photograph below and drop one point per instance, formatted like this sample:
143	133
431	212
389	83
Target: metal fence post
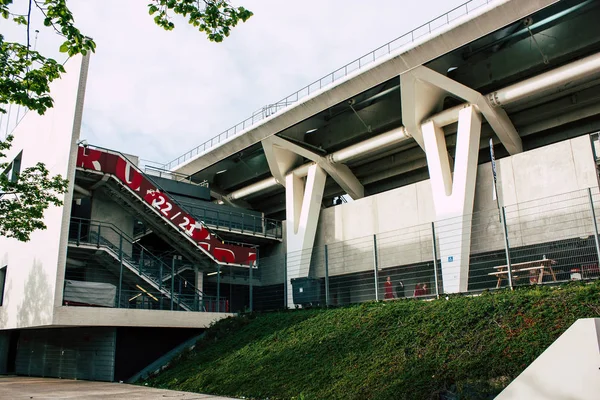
160	275
327	299
435	258
172	281
79	233
98	244
507	248
179	294
285	295
595	224
376	267
218	288
120	269
141	263
251	291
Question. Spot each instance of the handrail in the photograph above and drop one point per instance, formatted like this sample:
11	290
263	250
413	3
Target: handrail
130	241
110	224
138	169
193	209
270	109
171	198
178	177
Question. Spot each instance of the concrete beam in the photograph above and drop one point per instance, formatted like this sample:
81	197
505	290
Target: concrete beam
419	101
496	117
281	161
418	53
340	173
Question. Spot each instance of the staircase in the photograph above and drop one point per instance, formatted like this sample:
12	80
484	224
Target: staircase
141	262
163	214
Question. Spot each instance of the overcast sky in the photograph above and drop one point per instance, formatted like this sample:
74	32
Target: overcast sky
158	94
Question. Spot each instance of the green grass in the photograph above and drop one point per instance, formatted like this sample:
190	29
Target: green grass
404	349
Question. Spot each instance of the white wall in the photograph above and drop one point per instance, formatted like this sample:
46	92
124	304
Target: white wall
105	209
94	316
36	269
402	217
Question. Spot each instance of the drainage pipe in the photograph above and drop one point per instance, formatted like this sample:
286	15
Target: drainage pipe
561	76
382	141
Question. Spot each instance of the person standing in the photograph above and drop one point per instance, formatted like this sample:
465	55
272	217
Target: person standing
418	290
400	289
389	291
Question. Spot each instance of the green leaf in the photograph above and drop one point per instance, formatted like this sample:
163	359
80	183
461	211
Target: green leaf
20	20
64	47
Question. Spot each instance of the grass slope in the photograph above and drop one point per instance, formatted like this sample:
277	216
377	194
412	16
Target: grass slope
404	349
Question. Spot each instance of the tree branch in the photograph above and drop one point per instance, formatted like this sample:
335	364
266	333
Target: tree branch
46	15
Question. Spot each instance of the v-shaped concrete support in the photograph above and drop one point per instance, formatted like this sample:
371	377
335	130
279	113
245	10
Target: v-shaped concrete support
303	205
453	194
423	91
496	117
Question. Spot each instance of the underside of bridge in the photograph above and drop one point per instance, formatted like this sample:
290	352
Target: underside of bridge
520	74
547	39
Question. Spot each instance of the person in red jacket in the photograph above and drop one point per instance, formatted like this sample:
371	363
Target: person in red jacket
389	291
419	291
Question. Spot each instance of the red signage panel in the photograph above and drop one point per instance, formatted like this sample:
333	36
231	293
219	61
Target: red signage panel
136	181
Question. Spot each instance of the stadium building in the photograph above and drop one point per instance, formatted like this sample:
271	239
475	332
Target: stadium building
460	157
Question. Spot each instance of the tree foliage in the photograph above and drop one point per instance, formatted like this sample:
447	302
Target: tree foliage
24	200
25	74
25	77
215	18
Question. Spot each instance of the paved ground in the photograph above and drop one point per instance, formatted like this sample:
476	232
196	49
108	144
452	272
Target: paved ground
12	387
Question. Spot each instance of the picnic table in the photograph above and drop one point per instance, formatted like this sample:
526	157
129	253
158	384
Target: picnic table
540	267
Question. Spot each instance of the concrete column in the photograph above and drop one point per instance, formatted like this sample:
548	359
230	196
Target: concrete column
199	279
303	206
453	194
199	283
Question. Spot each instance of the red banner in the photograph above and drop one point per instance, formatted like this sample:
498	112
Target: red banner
129	176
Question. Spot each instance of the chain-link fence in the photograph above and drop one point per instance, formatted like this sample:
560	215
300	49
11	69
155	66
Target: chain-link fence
534	242
542	241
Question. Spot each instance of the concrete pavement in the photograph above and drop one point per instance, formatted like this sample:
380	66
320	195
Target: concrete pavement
13	387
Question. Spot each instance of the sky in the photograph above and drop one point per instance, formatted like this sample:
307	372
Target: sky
158	94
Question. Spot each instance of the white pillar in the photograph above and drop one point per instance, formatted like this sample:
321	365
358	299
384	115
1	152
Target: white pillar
453	194
303	206
199	282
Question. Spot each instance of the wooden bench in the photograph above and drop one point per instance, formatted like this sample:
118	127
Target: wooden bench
543	266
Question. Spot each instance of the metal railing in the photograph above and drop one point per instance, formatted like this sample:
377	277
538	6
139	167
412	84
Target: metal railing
539	242
238	222
267	227
424	30
175	176
161	285
149	178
